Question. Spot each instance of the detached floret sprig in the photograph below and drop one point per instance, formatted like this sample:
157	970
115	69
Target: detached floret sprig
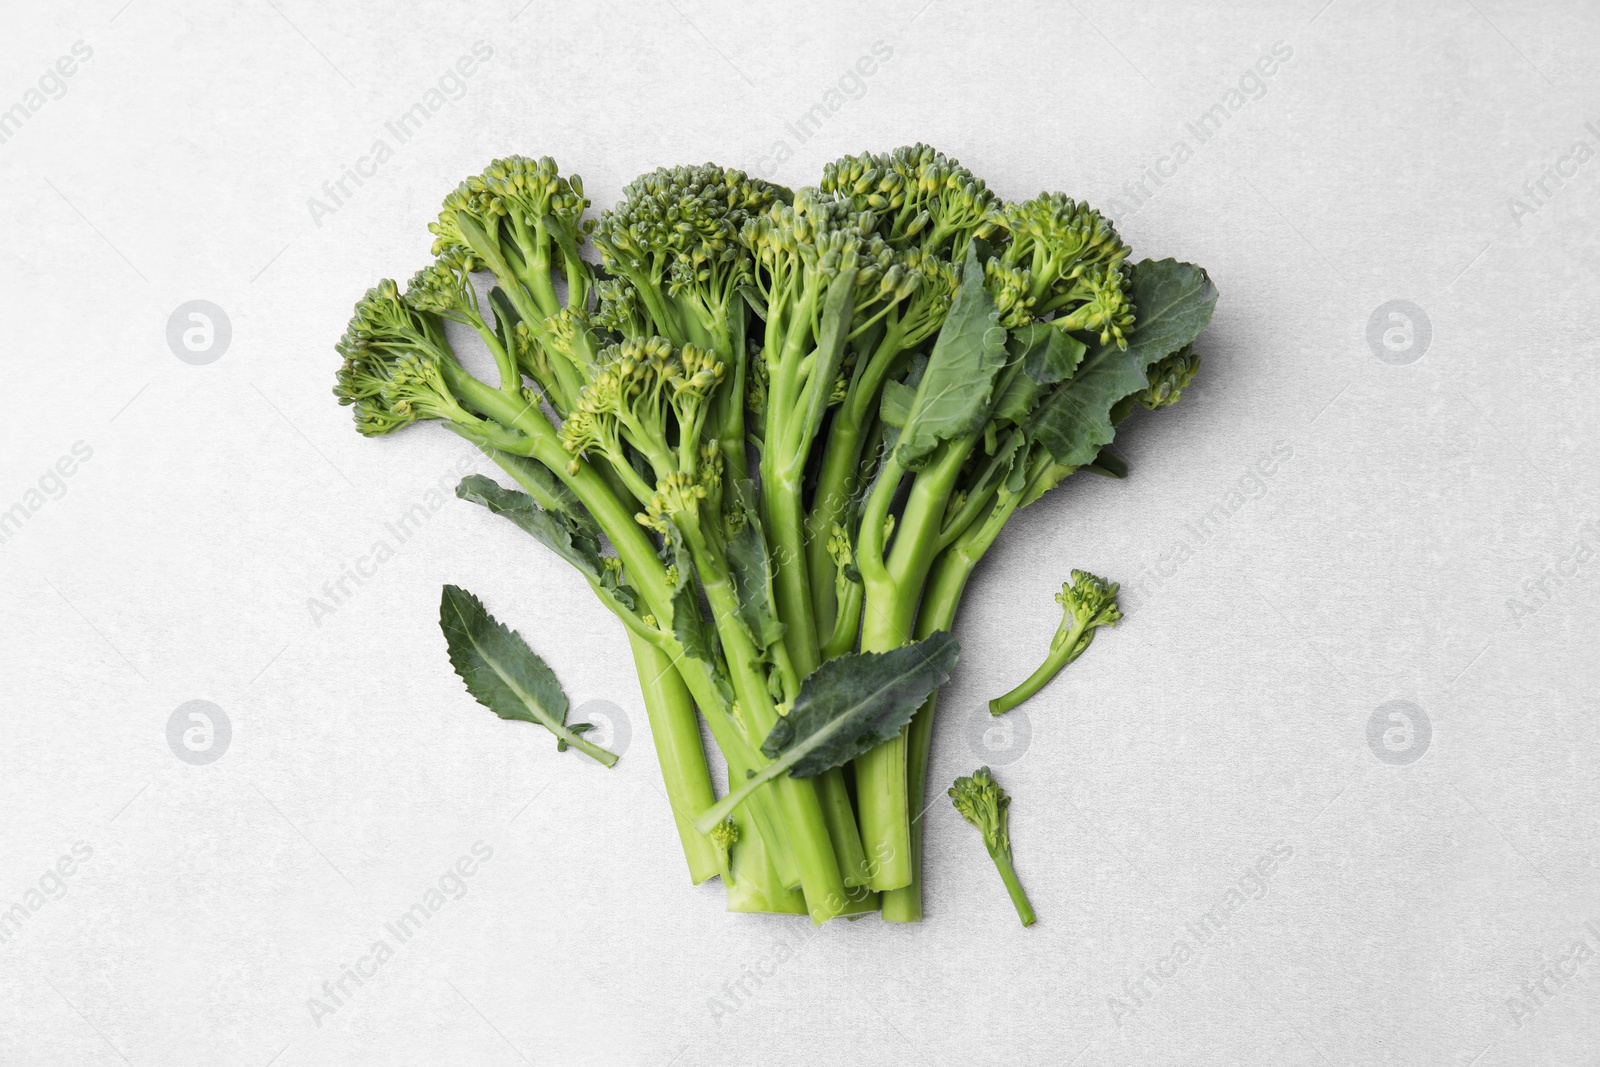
985	805
1089	603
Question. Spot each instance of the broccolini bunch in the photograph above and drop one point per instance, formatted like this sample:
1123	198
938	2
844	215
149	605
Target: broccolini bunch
810	412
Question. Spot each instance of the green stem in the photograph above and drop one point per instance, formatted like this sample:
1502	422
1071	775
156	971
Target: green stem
781	518
1008	875
785	537
1064	648
756	885
892	597
846	622
939	604
809	841
676	733
881	771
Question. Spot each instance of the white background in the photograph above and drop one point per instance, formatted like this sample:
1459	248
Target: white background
1396	554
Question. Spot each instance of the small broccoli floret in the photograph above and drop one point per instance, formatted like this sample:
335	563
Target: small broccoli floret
1100	304
522	220
395	366
1066	259
724	836
917	196
1170	377
674	243
811	233
982	802
651	395
1090	603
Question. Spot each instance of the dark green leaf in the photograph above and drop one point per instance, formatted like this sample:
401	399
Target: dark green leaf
558	532
689	624
503	673
757	302
690	628
1018	397
1174	301
1017	472
1048	354
548	491
752	571
505	315
896	403
845	707
858	701
954	398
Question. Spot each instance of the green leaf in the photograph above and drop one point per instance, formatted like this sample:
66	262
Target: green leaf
752	296
1175	302
1048	354
838	308
1045	355
689	624
845	707
505	318
504	674
858	701
558	532
1018	397
547	490
954	398
1020	448
752	572
895	405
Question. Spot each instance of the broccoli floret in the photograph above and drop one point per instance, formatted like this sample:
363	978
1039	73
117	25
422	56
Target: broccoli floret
982	802
724	836
674	243
651	395
1090	603
395	366
1065	260
1170	377
520	217
917	196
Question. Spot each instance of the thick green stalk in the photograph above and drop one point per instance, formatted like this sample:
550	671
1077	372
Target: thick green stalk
880	773
785	532
756	885
846	622
893	591
809	841
835	483
939	604
837	478
782	525
676	733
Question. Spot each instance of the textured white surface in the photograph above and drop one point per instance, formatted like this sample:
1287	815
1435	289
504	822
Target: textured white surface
1410	506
